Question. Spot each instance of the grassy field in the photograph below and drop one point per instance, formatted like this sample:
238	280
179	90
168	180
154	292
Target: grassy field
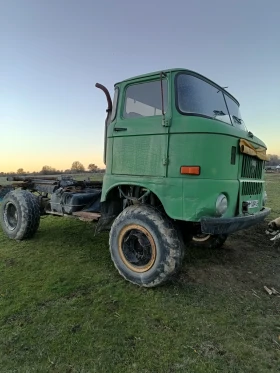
64	308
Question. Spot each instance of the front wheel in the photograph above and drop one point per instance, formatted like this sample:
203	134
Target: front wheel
145	246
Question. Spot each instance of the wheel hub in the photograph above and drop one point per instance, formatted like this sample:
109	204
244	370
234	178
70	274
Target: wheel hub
137	248
10	216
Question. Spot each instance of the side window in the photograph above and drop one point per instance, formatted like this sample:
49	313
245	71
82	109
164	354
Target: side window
144	99
115	104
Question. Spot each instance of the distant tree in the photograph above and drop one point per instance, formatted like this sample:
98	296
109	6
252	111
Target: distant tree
274	160
20	171
77	166
92	167
48	170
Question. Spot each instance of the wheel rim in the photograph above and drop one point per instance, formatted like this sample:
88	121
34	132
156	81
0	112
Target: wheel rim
11	216
137	248
201	237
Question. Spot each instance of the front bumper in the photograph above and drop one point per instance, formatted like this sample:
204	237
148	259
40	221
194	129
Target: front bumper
211	225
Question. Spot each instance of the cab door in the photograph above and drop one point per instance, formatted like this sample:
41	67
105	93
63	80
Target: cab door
139	134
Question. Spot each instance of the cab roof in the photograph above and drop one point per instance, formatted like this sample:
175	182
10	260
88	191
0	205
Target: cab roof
172	70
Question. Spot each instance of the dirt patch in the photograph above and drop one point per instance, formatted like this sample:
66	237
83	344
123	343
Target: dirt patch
248	260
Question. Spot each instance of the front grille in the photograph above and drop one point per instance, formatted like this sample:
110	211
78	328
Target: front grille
252	168
251	188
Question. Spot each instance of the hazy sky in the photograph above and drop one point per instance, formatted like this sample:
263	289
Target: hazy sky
52	53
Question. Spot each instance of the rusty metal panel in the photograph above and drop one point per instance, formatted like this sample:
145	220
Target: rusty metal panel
87	216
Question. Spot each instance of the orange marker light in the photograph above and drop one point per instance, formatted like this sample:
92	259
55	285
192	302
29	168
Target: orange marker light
190	170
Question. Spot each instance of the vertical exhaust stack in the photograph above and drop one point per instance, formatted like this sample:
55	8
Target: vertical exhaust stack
108	118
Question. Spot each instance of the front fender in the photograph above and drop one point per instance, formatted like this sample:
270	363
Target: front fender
167	190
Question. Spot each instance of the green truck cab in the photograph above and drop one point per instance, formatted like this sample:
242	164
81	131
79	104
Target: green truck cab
177	148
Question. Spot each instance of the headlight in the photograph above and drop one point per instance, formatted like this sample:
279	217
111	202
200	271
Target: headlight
221	204
264	198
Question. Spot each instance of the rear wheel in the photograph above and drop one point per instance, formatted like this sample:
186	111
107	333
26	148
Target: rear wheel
20	215
145	246
208	241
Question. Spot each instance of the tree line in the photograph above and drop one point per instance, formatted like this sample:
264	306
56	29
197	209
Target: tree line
274	160
77	167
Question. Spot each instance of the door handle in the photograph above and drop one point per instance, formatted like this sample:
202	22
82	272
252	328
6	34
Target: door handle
118	129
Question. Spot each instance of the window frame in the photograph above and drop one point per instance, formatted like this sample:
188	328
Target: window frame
117	89
157	79
225	93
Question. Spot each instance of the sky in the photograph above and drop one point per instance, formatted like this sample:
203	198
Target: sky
52	52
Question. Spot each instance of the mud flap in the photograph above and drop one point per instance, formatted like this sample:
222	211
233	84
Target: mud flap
110	209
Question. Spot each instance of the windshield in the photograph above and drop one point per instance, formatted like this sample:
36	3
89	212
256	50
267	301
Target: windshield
197	96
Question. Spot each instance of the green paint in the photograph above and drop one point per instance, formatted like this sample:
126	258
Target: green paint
149	152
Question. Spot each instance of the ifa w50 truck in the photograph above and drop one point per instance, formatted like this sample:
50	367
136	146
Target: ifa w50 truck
181	169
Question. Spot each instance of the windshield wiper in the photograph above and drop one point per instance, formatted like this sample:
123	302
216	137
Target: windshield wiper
218	112
236	119
240	121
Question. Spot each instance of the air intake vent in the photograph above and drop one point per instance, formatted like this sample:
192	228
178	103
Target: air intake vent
251	188
251	167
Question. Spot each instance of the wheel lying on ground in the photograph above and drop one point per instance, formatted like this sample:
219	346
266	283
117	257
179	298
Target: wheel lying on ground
208	241
145	246
20	215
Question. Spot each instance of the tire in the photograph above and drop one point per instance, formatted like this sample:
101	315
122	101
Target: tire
208	241
20	215
145	246
4	190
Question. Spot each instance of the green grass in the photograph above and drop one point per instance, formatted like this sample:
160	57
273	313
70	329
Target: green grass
64	307
273	191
